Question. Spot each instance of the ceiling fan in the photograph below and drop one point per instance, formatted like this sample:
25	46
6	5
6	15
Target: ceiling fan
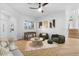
40	7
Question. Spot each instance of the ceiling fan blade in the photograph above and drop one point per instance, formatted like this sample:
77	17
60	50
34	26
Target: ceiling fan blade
32	8
44	4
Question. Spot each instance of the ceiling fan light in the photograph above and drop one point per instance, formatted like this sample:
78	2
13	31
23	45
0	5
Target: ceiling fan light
39	9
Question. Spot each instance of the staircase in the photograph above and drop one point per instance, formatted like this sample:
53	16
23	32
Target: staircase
73	33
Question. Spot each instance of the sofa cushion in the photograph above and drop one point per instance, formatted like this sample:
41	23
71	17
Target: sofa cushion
17	52
3	51
12	45
3	44
55	39
54	35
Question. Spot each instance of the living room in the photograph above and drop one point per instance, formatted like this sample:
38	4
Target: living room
45	28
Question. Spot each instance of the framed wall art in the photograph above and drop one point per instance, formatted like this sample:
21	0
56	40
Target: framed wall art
53	22
28	24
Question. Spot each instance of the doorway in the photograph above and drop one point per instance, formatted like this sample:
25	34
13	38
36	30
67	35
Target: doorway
73	30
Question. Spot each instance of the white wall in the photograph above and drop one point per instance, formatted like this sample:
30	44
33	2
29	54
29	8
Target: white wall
9	16
13	33
16	18
7	20
20	26
60	23
60	18
3	28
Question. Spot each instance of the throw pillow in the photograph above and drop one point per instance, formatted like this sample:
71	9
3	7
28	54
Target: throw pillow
4	43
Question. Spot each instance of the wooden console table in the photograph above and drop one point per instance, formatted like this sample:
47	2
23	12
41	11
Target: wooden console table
28	35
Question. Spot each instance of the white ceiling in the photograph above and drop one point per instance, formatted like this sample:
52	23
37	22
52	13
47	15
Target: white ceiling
23	8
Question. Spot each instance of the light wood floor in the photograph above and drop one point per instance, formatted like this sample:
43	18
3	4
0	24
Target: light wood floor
70	48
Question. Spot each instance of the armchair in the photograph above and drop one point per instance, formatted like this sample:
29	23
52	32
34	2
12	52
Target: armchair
44	36
58	38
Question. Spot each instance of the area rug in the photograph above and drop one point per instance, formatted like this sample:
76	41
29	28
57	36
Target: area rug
45	46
